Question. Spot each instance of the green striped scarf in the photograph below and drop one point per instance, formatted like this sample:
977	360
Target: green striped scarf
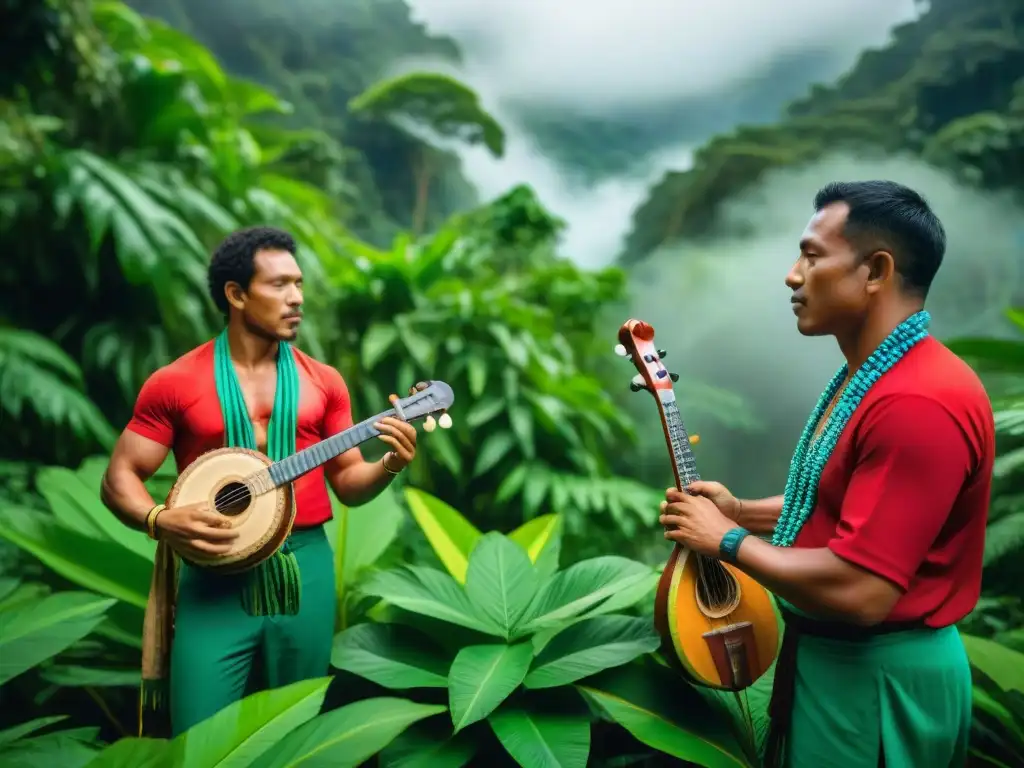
273	586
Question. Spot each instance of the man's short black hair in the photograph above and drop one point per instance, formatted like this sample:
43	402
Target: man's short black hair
234	259
888	216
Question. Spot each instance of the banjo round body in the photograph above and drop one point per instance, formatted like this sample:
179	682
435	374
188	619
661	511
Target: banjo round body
224	479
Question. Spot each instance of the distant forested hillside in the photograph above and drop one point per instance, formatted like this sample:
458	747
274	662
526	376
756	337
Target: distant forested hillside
949	88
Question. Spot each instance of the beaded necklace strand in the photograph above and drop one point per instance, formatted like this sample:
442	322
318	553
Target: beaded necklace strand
813	452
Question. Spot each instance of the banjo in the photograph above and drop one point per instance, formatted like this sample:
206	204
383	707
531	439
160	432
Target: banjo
256	493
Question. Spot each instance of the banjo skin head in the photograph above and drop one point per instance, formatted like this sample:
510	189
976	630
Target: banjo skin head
263	522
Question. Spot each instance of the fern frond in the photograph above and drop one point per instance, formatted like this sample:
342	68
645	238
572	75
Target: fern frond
36	375
1004	536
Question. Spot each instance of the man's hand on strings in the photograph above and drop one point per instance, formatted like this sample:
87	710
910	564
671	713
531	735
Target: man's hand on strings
694	521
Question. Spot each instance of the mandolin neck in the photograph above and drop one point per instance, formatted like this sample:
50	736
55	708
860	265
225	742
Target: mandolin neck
295	466
684	465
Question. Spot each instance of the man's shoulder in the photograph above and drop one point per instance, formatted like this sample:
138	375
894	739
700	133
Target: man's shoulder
933	372
320	372
183	370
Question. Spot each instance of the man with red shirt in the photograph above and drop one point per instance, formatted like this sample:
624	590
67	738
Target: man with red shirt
255	280
877	543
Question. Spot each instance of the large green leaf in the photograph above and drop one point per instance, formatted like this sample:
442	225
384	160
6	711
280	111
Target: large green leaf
500	581
26	729
590	646
1003	665
346	737
100	566
542	739
581	586
72	748
77	506
360	536
135	753
34	632
483	676
240	733
450	534
424	747
391	655
665	714
427	592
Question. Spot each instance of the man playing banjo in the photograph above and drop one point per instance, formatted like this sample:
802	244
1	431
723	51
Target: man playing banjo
877	543
248	388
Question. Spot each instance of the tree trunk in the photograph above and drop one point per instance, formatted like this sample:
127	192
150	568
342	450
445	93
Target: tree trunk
422	173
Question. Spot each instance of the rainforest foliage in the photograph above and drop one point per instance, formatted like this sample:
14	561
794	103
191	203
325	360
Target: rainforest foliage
134	137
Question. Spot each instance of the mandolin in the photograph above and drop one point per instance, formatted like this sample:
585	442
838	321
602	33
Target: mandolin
718	626
256	493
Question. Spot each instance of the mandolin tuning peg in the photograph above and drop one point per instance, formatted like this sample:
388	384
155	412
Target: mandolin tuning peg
674	376
621	351
445	422
662	353
429	424
634	387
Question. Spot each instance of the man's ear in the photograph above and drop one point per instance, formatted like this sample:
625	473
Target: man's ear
881	270
234	294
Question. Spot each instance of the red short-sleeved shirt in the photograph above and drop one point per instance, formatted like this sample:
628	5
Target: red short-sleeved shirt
905	494
178	407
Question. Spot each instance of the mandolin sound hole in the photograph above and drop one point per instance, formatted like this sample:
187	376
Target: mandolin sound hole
233	499
718	592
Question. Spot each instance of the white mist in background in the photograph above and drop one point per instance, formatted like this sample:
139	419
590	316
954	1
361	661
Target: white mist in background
615	57
722	309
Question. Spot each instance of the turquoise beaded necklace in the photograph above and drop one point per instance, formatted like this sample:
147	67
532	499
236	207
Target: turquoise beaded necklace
812	453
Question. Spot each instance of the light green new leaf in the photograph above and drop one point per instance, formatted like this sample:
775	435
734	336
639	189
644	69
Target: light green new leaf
34	632
538	739
428	593
241	732
590	646
541	537
391	655
500	581
581	586
450	534
424	747
346	737
1004	665
666	715
99	566
483	676
135	753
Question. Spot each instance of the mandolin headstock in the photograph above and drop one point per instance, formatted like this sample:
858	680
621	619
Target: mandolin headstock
636	342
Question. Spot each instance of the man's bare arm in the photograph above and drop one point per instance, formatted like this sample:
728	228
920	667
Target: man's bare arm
760	516
354	480
135	459
819	581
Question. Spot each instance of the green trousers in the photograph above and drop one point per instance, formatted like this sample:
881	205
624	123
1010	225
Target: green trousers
217	645
901	700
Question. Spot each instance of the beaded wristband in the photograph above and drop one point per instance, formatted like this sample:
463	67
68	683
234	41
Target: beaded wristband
151	517
730	545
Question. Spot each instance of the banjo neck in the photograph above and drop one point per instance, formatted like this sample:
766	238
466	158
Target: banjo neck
298	464
436	398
